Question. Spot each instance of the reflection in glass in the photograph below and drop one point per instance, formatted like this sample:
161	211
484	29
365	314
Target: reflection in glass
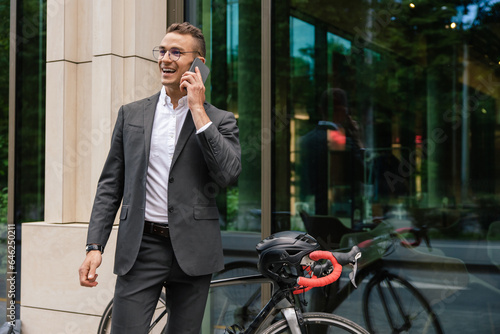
233	37
420	81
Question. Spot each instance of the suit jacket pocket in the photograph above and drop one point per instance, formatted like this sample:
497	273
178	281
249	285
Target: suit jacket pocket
135	128
205	212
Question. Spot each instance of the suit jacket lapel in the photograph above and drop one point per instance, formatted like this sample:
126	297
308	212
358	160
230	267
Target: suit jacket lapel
149	116
187	130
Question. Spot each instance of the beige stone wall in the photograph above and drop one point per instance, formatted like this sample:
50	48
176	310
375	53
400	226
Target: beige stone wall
52	300
98	58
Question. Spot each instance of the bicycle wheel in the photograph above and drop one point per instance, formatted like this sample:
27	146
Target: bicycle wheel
392	305
319	323
158	323
234	304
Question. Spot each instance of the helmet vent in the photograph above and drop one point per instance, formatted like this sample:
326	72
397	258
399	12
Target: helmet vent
292	252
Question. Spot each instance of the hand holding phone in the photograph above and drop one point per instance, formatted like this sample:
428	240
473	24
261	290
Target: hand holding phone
196	100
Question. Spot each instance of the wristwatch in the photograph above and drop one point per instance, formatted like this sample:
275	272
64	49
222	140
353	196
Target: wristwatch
94	247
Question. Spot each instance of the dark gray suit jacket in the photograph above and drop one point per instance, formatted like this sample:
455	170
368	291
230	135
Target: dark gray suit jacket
202	165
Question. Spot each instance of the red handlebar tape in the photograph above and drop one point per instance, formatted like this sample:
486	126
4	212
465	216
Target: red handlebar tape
329	279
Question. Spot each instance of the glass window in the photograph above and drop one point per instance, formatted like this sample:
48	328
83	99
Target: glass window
4	145
387	117
29	129
30	111
232	33
385	130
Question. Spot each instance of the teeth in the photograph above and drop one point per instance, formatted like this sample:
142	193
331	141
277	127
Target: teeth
168	70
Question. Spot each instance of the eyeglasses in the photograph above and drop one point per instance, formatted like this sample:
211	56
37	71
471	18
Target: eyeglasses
174	54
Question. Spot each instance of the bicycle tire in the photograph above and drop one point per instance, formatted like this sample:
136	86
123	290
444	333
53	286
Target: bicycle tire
318	322
400	296
105	322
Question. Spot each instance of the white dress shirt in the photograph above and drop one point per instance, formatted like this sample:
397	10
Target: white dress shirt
167	126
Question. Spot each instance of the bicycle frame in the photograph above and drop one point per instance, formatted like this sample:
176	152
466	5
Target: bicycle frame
290	306
281	301
287	296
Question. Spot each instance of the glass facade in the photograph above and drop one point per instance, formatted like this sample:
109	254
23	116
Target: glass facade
393	110
385	117
30	111
4	146
233	55
29	128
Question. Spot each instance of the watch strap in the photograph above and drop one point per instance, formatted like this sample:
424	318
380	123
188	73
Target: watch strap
94	247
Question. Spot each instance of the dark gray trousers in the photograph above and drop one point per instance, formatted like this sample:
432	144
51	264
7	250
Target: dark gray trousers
137	292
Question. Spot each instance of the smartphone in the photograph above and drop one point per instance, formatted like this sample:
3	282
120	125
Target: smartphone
203	68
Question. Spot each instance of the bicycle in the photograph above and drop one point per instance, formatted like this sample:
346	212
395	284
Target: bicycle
292	263
391	304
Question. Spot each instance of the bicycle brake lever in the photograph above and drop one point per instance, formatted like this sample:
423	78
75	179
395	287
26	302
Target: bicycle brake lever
352	274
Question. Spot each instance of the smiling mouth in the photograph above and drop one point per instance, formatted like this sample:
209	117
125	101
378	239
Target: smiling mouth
167	70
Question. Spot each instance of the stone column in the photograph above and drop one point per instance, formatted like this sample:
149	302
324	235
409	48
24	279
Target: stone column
98	58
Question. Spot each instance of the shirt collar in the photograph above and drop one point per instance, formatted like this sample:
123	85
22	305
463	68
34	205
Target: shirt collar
165	99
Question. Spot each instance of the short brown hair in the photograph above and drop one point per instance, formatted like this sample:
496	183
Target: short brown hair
187	28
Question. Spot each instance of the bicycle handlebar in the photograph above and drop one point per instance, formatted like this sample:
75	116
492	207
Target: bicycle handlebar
322	281
333	266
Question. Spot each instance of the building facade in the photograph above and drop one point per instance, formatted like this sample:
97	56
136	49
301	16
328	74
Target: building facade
356	118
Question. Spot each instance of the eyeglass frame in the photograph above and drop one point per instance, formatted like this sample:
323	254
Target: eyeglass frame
160	48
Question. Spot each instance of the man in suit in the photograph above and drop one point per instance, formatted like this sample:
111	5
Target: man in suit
169	156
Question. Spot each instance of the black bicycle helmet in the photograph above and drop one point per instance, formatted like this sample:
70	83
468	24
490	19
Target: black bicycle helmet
280	254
